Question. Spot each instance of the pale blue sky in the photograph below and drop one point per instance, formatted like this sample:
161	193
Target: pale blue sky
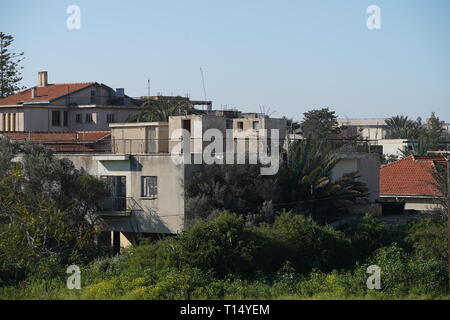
289	56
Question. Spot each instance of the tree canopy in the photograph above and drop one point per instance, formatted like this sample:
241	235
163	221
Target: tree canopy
46	208
162	109
10	69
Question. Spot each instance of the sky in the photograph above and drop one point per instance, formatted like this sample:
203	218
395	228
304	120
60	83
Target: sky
284	57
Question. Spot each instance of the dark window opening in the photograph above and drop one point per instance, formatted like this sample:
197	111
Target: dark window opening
110	118
56	118
186	125
65	118
149	187
89	117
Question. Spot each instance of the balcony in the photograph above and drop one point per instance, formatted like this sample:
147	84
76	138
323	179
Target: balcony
117	206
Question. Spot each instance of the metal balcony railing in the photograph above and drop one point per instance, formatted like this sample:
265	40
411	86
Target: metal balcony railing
117	205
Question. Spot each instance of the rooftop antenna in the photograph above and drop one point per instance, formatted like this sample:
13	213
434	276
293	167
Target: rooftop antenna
266	111
203	83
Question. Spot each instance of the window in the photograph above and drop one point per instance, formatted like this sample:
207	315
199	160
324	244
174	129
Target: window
186	125
149	187
65	118
255	125
110	118
240	125
89	117
229	124
92	96
78	118
56	118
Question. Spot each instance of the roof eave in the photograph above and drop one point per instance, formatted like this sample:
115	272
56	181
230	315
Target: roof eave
422	196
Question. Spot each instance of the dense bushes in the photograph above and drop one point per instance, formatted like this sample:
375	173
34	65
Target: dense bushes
368	234
47	211
292	258
225	245
305	244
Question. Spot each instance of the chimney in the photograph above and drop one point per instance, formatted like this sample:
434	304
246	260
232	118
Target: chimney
33	93
42	79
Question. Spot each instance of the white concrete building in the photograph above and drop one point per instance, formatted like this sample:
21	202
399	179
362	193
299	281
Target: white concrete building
368	128
146	185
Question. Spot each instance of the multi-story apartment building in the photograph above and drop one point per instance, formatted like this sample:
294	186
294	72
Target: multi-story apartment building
47	107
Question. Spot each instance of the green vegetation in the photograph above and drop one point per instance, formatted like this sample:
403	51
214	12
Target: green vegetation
426	137
303	184
162	109
10	69
46	212
248	237
293	258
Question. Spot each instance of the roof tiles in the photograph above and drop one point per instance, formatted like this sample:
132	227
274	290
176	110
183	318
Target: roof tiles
410	176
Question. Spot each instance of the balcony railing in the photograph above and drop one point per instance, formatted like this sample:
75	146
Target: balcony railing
117	206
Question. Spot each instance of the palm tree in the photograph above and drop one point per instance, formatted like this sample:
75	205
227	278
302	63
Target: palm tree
306	180
162	109
292	126
403	128
419	147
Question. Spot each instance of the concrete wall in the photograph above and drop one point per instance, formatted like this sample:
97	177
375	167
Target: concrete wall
199	124
393	146
134	138
367	165
165	214
371	129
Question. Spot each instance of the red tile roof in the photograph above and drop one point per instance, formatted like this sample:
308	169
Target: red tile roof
48	93
58	137
410	176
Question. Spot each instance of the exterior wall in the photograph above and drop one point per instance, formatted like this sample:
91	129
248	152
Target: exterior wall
11	119
165	214
39	117
393	146
132	138
371	129
100	114
199	124
367	166
246	131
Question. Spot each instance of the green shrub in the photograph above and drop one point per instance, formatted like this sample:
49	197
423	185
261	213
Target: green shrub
305	244
367	235
224	245
403	274
428	238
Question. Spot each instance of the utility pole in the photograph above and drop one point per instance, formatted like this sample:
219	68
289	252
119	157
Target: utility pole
148	89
